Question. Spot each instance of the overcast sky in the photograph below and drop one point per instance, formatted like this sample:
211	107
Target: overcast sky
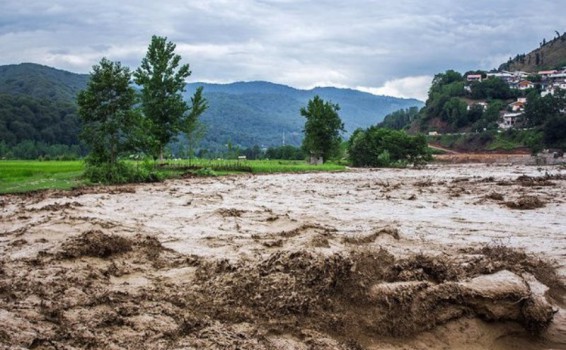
380	46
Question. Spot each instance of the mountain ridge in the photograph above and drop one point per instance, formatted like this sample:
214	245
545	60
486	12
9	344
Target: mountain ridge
242	113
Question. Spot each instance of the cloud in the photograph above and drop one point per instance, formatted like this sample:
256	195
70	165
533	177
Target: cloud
386	46
408	87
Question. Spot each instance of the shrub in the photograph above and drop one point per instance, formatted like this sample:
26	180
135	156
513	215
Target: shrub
120	173
385	147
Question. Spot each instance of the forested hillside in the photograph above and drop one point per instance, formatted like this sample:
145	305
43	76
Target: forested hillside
263	113
38	109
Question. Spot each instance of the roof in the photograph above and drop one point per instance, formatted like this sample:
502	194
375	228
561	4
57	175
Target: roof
547	72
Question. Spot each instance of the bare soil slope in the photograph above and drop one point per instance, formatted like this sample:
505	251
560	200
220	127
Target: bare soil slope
451	256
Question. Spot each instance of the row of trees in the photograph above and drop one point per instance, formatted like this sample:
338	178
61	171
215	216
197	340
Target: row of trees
116	119
375	146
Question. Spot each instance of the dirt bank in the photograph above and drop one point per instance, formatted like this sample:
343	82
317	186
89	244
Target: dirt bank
468	257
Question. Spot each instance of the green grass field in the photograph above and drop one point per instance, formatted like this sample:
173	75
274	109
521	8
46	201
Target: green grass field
25	175
18	176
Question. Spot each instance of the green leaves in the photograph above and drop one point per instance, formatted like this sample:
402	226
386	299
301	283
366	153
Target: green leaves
375	147
105	108
163	82
323	128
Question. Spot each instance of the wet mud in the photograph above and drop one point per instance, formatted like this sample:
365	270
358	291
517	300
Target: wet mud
389	259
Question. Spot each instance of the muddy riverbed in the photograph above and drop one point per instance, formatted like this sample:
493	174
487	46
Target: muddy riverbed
446	257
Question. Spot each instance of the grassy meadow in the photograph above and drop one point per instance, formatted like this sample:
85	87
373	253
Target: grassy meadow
17	176
25	175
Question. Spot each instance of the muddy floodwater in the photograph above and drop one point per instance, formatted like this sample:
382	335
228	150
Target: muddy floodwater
468	256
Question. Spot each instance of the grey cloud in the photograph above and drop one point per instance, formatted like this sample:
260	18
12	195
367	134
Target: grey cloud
302	43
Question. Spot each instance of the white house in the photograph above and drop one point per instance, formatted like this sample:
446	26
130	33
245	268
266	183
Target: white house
510	120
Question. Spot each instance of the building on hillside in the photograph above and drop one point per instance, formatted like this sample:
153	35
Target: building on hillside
525	85
546	73
482	104
511	120
558	76
519	105
473	77
547	91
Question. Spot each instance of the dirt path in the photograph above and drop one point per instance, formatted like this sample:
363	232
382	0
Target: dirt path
370	259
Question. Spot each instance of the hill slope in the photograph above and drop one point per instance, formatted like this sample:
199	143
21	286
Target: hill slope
38	103
550	55
263	113
41	82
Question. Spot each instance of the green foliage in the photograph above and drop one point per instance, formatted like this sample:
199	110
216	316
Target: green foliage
322	128
121	172
162	83
554	131
539	110
443	99
266	114
194	130
24	118
442	82
385	147
41	83
29	149
285	152
400	119
492	88
105	108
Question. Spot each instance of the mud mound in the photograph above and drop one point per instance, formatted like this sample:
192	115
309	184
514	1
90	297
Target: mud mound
496	257
95	244
286	283
425	268
530	181
369	292
58	206
526	203
287	300
230	212
496	196
393	232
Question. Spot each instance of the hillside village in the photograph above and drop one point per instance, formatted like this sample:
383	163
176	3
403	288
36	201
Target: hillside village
545	81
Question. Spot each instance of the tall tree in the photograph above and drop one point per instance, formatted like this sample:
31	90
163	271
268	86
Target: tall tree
105	108
194	131
322	128
162	81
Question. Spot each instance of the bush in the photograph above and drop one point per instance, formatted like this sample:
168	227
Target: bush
120	173
385	147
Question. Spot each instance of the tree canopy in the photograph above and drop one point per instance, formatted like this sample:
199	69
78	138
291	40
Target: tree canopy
323	128
375	147
162	81
105	108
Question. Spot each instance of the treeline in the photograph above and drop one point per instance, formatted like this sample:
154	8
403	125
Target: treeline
285	152
400	119
547	115
23	118
39	150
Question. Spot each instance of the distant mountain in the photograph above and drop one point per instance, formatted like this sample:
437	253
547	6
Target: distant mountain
41	82
38	103
264	113
549	55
